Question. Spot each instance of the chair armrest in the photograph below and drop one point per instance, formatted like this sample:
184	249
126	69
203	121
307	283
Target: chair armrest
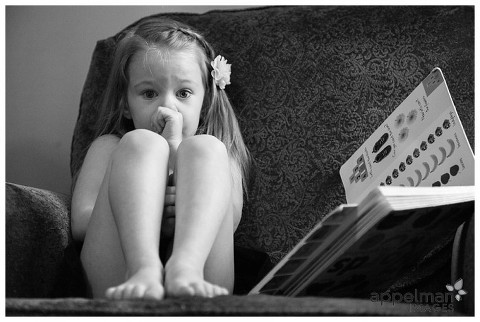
38	241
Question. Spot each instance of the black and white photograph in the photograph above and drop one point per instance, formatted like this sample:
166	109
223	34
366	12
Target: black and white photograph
196	160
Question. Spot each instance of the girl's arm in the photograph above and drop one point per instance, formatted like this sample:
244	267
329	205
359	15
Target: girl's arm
237	193
89	181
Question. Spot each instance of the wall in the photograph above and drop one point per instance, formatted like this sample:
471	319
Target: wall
48	52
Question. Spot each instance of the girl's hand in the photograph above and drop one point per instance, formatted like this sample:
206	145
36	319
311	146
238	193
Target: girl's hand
168	218
168	122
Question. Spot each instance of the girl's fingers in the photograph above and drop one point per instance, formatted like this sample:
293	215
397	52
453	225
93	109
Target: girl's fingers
164	115
169	212
168	221
168	122
171	180
159	119
169	200
169	196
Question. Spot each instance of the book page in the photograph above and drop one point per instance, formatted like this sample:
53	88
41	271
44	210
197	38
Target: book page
422	143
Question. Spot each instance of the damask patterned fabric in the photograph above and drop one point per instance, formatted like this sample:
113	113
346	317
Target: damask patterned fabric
309	85
39	257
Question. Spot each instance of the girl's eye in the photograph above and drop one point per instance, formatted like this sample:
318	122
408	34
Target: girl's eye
183	94
149	94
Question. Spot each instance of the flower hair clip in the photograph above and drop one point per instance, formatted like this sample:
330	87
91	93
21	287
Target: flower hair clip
221	71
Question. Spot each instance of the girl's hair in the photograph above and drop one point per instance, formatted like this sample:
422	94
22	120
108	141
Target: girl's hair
217	116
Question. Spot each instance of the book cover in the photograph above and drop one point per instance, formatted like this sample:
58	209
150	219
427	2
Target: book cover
360	249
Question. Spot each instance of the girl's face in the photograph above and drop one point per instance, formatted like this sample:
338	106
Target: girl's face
168	80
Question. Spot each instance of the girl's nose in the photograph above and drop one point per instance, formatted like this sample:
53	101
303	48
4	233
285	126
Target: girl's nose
168	101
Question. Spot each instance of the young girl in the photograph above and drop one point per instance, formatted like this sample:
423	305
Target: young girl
168	158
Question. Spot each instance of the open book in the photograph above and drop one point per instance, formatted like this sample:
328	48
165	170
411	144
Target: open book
409	186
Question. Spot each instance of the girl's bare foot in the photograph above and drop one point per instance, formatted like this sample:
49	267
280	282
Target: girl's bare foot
146	283
182	280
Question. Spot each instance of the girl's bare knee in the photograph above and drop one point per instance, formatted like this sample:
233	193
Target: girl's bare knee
203	146
143	142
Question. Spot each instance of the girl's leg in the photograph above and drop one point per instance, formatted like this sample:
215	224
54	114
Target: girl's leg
120	254
219	267
203	224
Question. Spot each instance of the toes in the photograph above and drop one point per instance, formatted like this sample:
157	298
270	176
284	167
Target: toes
200	289
109	292
127	291
137	292
218	290
123	292
197	289
209	290
181	290
114	293
188	290
153	294
118	295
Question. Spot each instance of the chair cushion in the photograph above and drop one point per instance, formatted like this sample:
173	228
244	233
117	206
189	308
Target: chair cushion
252	305
309	85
